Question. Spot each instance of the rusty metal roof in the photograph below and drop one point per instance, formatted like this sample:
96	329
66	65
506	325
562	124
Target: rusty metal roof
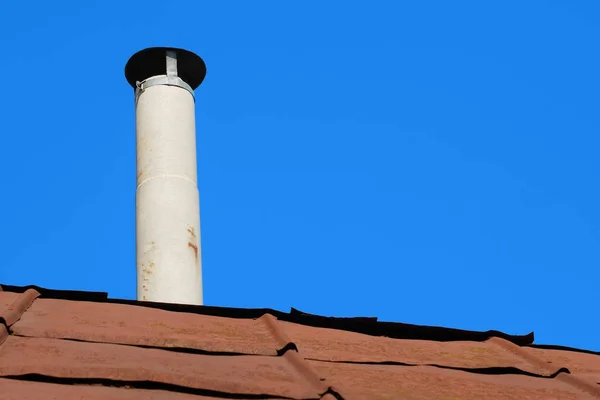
68	344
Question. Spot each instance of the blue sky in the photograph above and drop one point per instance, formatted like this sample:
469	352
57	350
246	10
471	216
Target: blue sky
428	162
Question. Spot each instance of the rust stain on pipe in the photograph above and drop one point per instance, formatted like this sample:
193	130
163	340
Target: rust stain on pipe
195	248
147	269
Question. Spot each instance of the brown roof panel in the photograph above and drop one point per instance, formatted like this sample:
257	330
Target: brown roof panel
428	383
240	375
11	389
107	348
332	345
128	324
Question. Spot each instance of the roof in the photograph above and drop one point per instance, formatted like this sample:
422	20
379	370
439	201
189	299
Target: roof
68	344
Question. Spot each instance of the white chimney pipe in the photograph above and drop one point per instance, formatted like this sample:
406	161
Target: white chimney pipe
169	267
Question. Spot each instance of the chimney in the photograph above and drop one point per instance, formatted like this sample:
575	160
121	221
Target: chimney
167	214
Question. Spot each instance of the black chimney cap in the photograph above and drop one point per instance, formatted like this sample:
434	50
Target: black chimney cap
152	61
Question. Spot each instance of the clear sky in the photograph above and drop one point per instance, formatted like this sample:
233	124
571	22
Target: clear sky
429	162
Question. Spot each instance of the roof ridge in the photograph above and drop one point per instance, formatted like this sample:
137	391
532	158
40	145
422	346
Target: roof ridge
365	325
297	360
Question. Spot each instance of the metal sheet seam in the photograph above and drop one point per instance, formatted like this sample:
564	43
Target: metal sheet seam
14	312
294	358
279	335
3	333
581	384
185	178
567	378
165	80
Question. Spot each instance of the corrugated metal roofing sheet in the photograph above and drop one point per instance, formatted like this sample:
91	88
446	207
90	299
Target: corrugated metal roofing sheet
68	344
